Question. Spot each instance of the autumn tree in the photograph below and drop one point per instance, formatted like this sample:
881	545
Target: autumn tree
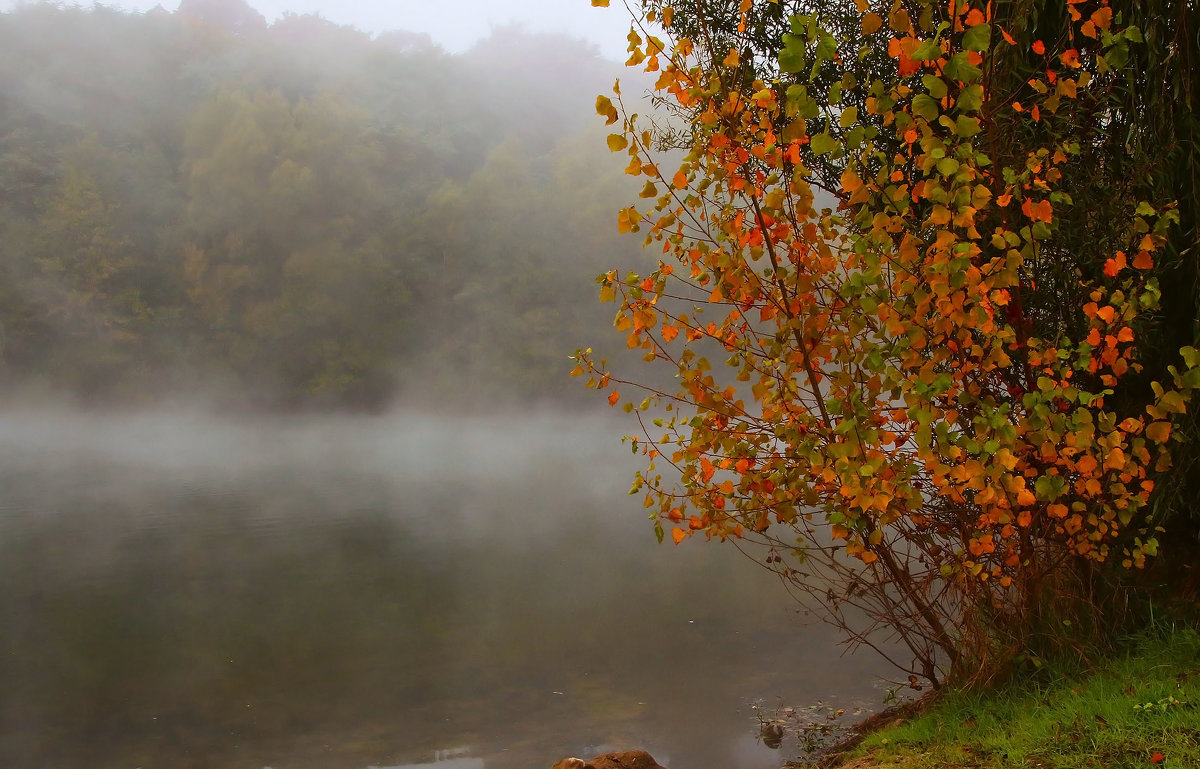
934	415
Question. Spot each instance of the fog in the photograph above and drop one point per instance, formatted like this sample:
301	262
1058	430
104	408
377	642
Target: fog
291	470
334	591
453	26
298	215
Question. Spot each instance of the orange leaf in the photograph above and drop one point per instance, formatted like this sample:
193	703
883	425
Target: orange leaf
940	215
975	17
680	180
1143	260
1039	47
613	397
678	535
669	333
901	48
1007	37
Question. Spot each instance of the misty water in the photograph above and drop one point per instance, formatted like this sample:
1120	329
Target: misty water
185	591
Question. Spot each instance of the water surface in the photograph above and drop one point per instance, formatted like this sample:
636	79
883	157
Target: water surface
181	591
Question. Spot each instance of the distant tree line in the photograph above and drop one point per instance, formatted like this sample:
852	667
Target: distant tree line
296	214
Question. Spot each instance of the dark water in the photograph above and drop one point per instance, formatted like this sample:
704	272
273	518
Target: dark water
336	594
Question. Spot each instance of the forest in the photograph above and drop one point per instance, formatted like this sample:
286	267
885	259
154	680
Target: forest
297	214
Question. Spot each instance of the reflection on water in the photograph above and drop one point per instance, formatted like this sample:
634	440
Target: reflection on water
338	594
455	758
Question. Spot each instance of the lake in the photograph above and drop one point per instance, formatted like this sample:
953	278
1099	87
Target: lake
179	590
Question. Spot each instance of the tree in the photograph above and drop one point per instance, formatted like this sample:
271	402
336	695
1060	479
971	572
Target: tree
930	410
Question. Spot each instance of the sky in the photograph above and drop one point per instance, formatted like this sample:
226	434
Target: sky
453	24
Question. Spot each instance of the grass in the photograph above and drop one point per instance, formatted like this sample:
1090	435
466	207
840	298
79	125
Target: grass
1140	708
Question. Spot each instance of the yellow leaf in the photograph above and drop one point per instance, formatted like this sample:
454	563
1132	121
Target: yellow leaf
627	219
600	3
604	106
1158	432
617	142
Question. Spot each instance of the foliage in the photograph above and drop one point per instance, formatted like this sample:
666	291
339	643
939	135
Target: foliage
925	415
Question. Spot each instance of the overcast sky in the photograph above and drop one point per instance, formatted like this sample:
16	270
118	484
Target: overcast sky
454	24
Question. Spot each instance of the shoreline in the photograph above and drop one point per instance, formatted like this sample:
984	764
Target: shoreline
1137	706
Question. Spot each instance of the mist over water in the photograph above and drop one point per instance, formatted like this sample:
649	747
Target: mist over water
181	590
292	219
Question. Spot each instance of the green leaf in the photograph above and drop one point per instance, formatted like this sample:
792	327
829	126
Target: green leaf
928	49
923	105
977	38
1117	56
971	99
799	102
823	143
1191	356
794	56
966	127
958	68
849	117
935	85
827	48
1049	487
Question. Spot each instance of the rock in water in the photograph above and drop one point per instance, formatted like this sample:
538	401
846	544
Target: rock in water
626	759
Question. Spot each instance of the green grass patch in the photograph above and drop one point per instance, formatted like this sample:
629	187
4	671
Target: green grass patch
1140	708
